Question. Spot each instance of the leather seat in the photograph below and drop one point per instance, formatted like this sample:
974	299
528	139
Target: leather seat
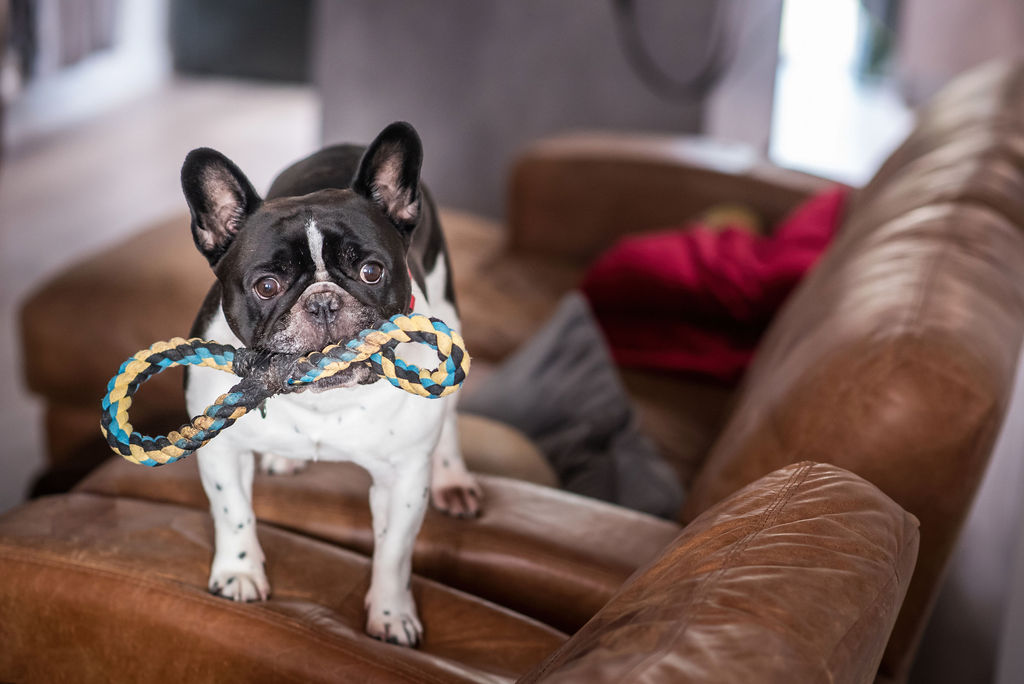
102	588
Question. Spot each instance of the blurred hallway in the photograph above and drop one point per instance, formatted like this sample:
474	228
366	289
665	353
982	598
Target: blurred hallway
72	192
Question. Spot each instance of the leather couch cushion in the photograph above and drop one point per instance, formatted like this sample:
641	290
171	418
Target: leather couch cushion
542	552
104	589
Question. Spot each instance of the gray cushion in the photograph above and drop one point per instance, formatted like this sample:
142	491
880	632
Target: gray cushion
562	389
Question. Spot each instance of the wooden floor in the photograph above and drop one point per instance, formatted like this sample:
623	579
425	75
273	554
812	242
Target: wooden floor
71	193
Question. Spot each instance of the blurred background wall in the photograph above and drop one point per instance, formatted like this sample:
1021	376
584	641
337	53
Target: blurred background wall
479	80
939	39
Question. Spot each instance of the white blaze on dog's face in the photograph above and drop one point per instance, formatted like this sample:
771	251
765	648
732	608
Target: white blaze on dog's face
299	273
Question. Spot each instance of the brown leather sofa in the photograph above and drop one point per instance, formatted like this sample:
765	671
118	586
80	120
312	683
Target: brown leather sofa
873	403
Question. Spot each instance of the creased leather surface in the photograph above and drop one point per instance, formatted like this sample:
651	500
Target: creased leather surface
797	578
542	552
895	358
97	589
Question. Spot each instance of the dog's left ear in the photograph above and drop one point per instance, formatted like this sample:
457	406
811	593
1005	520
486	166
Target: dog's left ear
389	174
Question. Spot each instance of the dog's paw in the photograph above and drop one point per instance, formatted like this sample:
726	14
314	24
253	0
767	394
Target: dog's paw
394	622
280	465
245	586
457	493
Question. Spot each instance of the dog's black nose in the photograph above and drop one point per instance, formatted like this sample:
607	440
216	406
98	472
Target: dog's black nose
323	305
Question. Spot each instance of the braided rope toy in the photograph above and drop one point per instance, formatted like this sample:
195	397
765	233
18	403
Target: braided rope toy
266	374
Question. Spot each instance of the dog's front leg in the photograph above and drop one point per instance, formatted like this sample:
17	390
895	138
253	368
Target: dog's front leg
398	500
453	488
237	572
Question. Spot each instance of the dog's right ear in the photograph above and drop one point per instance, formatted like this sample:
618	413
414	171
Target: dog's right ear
220	198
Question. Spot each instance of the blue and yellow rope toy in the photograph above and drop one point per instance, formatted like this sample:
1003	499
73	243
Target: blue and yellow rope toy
264	375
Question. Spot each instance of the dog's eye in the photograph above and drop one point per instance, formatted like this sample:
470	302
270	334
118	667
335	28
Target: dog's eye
371	272
267	287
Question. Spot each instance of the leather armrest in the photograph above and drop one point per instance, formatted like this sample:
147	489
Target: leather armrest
554	556
895	358
796	578
571	196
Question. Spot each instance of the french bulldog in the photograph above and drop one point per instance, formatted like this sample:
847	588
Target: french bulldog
344	238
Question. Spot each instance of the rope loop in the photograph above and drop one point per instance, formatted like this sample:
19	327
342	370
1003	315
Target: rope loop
265	375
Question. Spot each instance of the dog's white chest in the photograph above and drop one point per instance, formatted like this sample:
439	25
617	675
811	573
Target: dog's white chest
349	424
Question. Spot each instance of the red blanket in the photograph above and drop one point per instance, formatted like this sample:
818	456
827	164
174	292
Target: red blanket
697	300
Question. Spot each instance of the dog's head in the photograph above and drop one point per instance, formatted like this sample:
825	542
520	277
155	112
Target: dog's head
299	273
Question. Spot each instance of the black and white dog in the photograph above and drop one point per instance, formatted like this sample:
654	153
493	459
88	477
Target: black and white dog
345	238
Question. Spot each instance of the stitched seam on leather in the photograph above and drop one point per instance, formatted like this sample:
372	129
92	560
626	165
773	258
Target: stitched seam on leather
279	620
767	518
